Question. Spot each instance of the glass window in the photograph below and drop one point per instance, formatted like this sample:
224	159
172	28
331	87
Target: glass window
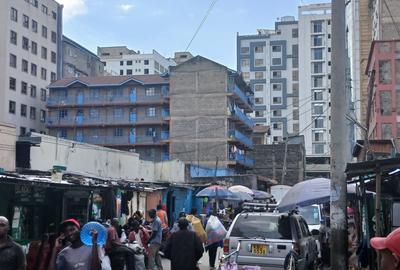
129	72
318	95
93	113
25	43
259	75
34	26
296	128
24	110
295	62
295	33
32	113
129	63
118	112
276	61
24	65
25	21
259	113
385	102
53	57
259	100
63	113
34	47
44	31
33	91
24	88
317	40
258	87
318	136
45	10
13	60
43	74
151	132
276	48
387	131
318	108
277	100
54	15
151	112
11	107
12	83
295	114
277	113
276	74
150	91
43	94
317	53
14	14
246	75
53	37
318	123
277	126
146	71
146	62
118	132
44	53
244	50
277	86
13	37
259	62
52	77
295	75
277	138
317	67
317	81
317	26
121	72
318	148
33	69
385	72
42	116
245	62
259	49
384	47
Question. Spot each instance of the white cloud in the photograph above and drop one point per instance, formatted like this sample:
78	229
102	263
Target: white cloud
73	8
126	7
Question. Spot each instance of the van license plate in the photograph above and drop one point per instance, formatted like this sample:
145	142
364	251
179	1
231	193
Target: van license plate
259	249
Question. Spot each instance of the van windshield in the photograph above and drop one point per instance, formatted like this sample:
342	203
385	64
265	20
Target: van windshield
310	214
272	227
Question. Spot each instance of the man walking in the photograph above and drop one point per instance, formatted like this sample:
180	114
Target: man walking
389	248
155	241
11	255
184	248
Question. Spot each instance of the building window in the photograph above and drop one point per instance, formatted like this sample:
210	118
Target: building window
45	10
385	72
33	69
317	26
22	131
25	43
277	126
318	95
44	53
245	62
258	87
276	74
295	102
384	47
295	114
62	133
118	113
32	113
246	75
44	31
244	50
43	74
295	62
33	91
42	116
318	109
53	77
121	63
23	110
13	60
295	33
387	131
53	37
277	138
317	40
129	72
118	132
129	63
146	62
277	113
24	88
259	62
150	91
43	94
12	83
54	15
121	72
93	113
277	86
11	107
259	113
34	47
34	26
53	57
25	21
318	136
277	100
259	100
317	81
63	113
317	67
151	132
259	75
259	49
13	37
24	65
385	98
318	148
151	112
146	71
276	48
317	53
295	89
14	14
276	61
318	123
296	128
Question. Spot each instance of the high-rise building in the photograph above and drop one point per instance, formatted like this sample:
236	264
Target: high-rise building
30	50
78	61
209	123
122	112
268	61
120	60
315	86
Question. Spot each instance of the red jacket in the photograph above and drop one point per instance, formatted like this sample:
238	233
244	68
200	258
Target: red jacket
144	236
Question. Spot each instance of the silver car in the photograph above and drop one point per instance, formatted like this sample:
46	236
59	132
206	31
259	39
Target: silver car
267	239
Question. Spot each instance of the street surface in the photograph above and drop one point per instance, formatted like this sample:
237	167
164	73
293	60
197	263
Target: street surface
204	261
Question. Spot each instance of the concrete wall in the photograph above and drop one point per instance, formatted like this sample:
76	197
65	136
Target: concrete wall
7	147
101	161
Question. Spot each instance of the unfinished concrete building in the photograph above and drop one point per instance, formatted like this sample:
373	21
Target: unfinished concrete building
209	125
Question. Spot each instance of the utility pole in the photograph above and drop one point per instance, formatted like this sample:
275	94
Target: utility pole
339	139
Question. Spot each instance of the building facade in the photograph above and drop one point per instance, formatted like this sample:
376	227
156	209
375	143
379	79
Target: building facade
122	112
384	74
269	62
315	83
78	61
209	123
120	60
30	51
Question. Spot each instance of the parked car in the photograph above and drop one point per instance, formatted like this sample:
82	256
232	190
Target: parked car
267	239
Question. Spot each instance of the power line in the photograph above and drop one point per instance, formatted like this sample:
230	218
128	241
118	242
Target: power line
201	23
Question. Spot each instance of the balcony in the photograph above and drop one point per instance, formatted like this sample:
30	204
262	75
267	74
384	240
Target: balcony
241	98
122	140
242	159
239	115
164	156
236	136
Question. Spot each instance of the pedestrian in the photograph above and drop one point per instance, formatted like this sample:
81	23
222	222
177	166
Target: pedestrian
76	256
155	241
162	215
197	225
212	248
175	227
11	255
140	237
389	249
184	248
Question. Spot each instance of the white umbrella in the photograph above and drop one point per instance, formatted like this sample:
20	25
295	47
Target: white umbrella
243	189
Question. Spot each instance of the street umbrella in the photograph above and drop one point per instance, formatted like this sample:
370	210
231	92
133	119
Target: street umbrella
309	192
217	192
243	196
261	195
239	188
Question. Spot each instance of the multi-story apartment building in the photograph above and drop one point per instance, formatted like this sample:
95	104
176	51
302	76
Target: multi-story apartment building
315	81
209	123
384	77
78	61
30	50
122	112
120	60
269	62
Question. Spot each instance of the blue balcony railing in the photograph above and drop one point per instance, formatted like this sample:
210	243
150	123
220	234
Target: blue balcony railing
236	135
241	158
164	156
105	120
243	117
119	140
248	100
